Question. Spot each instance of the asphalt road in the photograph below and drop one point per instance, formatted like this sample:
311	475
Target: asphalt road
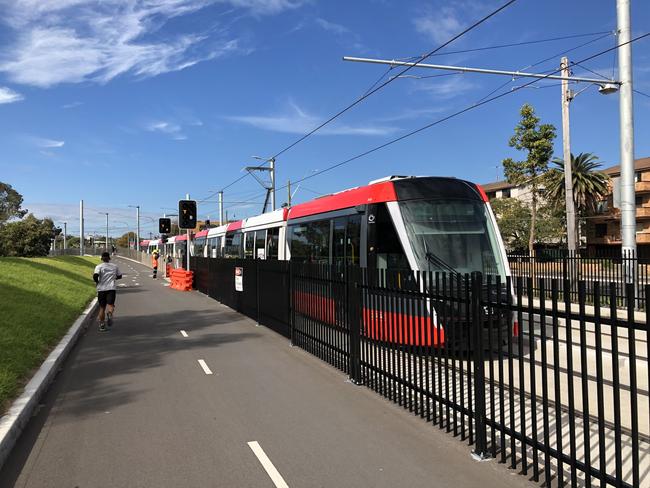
134	407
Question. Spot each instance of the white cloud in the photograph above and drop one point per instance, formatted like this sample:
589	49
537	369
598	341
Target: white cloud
49	143
345	37
446	88
72	41
440	25
7	95
331	26
172	129
441	22
72	105
297	121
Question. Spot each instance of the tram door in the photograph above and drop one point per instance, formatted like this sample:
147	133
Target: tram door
346	243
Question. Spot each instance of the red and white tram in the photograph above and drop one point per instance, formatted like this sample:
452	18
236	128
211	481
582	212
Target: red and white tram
417	223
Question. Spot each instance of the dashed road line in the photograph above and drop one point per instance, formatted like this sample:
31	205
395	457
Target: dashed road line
183	333
273	473
206	370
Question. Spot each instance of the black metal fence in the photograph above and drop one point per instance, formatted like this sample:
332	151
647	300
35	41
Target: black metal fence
609	271
556	391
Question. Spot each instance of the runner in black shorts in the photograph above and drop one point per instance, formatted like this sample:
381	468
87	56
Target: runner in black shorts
105	275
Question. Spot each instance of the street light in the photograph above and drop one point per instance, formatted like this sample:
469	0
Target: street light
606	88
106	213
137	217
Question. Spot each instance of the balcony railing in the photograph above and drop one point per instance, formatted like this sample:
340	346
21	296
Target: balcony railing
642	187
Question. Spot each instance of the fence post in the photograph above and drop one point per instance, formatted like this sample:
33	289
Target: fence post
354	325
257	291
480	450
292	318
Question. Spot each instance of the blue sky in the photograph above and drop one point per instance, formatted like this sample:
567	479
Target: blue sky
122	102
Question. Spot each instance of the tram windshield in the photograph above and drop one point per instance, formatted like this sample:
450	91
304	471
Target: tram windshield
452	236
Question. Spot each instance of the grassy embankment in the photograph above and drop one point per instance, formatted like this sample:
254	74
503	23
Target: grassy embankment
40	298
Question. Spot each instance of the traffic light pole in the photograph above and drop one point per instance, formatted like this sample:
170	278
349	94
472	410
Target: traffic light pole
189	242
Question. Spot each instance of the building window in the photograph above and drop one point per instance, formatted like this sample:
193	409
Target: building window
506	193
638	200
601	230
602	207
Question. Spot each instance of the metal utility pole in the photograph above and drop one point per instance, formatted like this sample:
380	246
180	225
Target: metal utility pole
626	115
65	231
137	231
289	193
567	96
272	174
221	222
270	188
107	231
81	227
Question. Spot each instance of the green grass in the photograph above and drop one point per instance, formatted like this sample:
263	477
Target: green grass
40	298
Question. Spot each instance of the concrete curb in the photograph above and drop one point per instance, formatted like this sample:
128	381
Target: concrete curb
15	420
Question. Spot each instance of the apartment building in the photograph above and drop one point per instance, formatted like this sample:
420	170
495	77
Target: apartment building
602	232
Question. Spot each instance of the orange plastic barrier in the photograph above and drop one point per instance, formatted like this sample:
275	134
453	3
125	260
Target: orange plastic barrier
181	279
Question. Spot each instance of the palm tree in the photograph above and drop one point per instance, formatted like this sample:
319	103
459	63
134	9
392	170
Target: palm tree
589	185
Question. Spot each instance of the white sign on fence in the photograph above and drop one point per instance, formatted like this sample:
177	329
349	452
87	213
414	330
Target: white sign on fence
239	278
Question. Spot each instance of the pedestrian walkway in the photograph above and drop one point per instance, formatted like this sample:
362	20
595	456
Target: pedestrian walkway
185	392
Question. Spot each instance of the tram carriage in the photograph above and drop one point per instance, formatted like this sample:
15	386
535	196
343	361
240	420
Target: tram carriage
395	225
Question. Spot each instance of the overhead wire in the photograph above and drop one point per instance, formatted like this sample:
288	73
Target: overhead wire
455	114
638	92
523	43
373	89
541	61
390	80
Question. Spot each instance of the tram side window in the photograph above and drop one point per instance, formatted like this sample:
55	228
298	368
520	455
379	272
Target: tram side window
272	243
199	244
310	242
233	247
250	243
260	241
353	240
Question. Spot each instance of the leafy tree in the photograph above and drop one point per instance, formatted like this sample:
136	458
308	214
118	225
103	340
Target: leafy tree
514	220
29	237
123	241
537	140
589	185
10	202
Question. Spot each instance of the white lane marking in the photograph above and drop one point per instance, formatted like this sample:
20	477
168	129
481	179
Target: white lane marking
183	333
206	370
273	473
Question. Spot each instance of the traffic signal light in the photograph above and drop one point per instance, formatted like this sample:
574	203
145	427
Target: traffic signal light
164	226
187	214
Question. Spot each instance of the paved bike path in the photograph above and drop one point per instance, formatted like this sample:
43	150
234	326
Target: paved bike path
134	407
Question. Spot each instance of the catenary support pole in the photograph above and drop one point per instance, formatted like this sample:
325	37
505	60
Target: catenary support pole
289	193
81	227
65	232
221	222
272	173
566	151
137	232
626	115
